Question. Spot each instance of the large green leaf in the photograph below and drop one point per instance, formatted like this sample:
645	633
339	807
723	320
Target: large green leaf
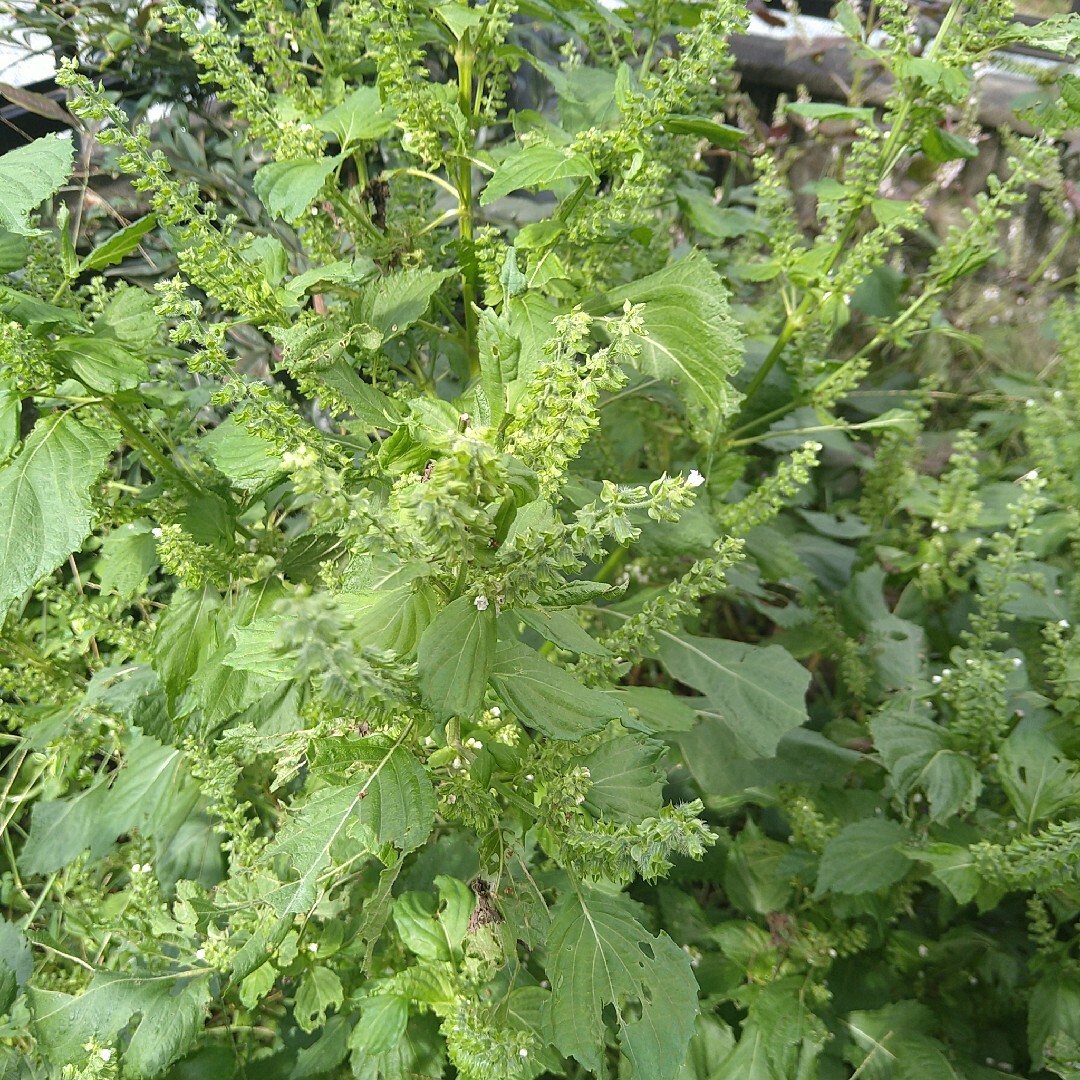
1038	780
102	365
431	929
393	302
533	167
185	637
28	176
238	453
626	779
152	792
359	118
170	1012
45	505
547	698
288	188
599	955
758	691
455	657
915	751
690	338
863	857
389	801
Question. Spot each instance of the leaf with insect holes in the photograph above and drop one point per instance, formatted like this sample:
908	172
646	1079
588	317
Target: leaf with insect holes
598	956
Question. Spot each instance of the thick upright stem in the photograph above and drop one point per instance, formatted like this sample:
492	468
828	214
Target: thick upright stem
465	58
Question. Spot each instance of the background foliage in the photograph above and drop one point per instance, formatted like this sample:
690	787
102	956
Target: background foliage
520	562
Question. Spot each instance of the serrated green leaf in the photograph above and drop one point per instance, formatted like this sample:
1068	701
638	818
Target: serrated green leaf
319	278
16	963
361	117
940	145
390	801
690	338
36	314
319	991
1053	1011
382	1023
759	692
600	955
170	1011
754	876
45	505
393	302
102	365
122	242
186	635
499	351
914	749
863	857
654	710
129	318
30	175
547	698
434	930
60	830
561	629
535	167
418	1054
326	1053
288	188
394	620
954	867
626	780
249	462
128	555
14	250
455	657
1037	778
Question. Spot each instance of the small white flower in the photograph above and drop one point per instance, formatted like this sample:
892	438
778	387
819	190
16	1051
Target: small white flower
523	1052
481	603
200	954
695	479
496	711
579	800
1064	624
105	1055
529	777
156	532
313	946
946	672
924	951
935	679
1018	661
833	953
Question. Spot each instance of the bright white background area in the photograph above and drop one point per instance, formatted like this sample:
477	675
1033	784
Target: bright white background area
29	64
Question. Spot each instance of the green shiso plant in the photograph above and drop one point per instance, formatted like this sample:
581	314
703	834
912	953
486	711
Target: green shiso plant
502	608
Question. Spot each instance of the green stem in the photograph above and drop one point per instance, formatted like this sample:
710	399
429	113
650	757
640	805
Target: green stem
139	441
465	57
